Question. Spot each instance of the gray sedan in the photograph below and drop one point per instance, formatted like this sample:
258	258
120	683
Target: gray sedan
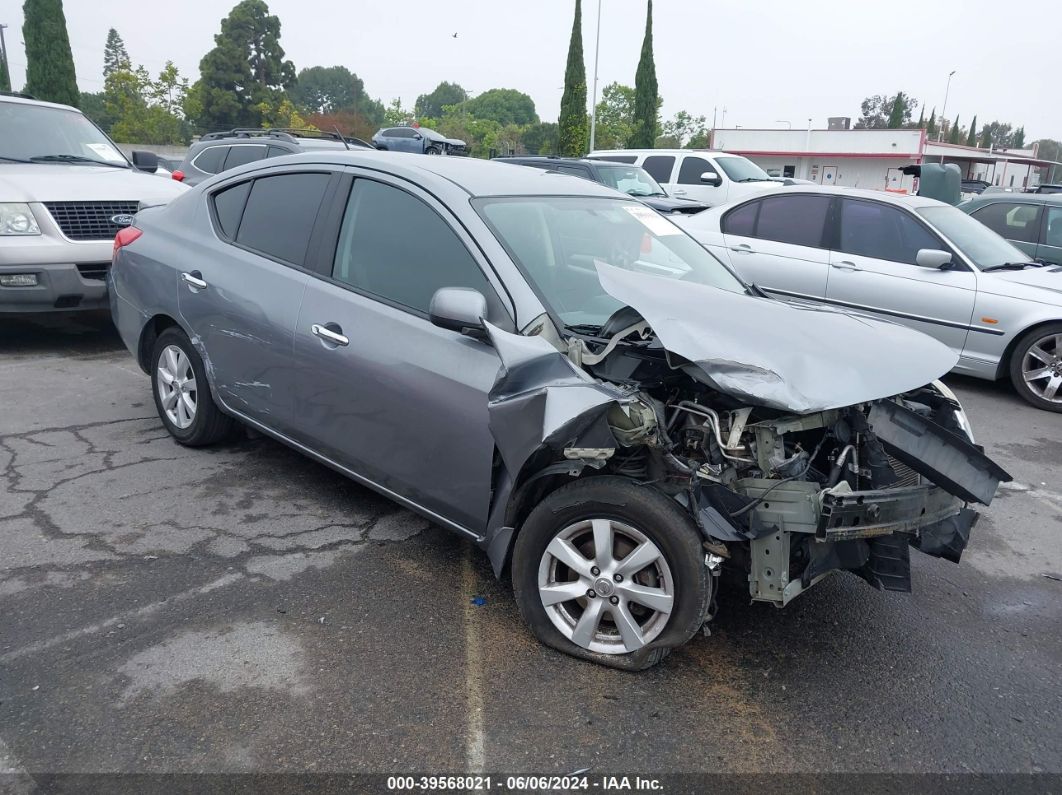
556	372
916	261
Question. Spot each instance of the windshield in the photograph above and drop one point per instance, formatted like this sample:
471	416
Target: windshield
32	132
741	170
558	241
630	179
980	244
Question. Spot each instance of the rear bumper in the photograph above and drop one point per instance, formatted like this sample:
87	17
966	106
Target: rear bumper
60	287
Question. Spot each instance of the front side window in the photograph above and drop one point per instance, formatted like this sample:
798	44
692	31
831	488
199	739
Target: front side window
692	168
798	220
395	247
870	229
659	167
558	241
280	215
1053	234
1012	221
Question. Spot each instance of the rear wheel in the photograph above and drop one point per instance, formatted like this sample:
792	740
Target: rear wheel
612	572
182	394
1036	367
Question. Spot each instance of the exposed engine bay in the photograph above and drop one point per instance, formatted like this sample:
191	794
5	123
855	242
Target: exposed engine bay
782	497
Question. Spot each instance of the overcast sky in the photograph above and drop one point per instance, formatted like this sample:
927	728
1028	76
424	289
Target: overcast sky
765	61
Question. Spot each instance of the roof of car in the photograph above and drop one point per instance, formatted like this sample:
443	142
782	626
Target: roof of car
1019	198
22	100
904	199
476	177
606	152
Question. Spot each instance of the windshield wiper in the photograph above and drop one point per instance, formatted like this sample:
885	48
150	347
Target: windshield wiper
754	179
1010	266
72	159
13	159
590	329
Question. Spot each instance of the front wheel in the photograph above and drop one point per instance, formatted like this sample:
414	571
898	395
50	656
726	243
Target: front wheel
612	572
1036	367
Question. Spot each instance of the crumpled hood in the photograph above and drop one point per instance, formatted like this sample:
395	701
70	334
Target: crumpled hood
47	182
775	354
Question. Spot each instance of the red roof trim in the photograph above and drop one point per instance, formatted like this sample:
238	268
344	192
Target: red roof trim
748	153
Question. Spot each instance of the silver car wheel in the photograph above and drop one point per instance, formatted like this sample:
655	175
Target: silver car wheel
175	382
1041	368
606	586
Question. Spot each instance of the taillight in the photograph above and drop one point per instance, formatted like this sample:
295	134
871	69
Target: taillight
178	175
124	238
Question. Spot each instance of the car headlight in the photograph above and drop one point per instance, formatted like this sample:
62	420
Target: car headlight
17	219
960	414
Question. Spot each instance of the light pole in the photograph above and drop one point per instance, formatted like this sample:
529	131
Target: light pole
593	100
944	110
786	122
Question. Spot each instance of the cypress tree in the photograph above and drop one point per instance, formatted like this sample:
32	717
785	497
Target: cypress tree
49	62
645	91
573	127
922	118
5	78
1017	141
971	137
931	128
953	136
897	111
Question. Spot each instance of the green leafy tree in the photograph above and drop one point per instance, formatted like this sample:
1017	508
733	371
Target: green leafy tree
245	69
49	61
331	89
129	97
615	117
996	135
971	136
541	138
1049	149
503	105
645	91
432	105
5	78
395	114
931	127
1017	141
94	105
955	132
115	56
682	128
880	111
573	125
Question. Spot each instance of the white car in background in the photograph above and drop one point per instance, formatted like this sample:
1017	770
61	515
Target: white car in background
708	176
910	259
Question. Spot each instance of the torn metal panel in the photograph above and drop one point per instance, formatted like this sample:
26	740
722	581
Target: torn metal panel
947	538
541	398
776	354
936	453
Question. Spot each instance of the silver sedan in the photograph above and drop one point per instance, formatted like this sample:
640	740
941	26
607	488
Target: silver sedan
913	260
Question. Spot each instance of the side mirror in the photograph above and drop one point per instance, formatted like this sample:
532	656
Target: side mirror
458	309
145	161
711	178
933	258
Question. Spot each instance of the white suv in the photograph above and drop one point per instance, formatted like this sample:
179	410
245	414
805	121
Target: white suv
710	177
65	191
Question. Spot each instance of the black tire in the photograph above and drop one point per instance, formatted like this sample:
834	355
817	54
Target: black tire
649	511
209	424
433	150
1021	350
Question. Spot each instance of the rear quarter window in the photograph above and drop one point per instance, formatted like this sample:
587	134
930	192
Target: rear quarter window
228	208
210	159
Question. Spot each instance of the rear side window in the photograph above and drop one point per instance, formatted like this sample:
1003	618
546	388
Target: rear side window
210	159
228	208
869	229
401	132
240	155
394	246
1012	221
742	221
659	166
692	168
280	214
798	220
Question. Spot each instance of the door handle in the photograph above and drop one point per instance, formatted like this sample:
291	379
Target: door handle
742	248
194	279
845	265
679	192
328	335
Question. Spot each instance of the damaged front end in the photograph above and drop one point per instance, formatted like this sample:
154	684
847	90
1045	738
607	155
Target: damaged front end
784	485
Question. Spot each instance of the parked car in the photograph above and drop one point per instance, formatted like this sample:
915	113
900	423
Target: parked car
559	374
1047	187
65	191
219	151
974	186
632	180
915	260
419	140
710	177
1031	221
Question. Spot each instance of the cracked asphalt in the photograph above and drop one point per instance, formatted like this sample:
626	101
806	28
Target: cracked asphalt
242	608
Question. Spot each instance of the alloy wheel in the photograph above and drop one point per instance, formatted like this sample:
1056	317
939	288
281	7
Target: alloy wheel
606	586
1041	368
175	381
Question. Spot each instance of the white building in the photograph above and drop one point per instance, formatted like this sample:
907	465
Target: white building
874	158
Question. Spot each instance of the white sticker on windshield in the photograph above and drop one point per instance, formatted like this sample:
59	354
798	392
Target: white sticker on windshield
107	152
652	220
